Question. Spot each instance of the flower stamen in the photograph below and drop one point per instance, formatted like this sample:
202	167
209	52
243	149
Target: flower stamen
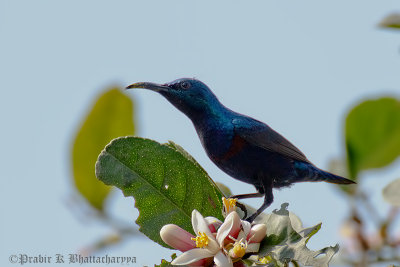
239	249
201	240
229	204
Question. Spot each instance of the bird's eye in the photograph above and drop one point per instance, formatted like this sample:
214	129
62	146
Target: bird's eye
185	85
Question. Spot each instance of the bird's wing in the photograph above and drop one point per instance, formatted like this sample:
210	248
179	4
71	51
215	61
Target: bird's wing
261	135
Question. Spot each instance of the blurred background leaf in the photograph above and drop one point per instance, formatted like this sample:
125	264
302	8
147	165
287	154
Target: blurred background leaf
391	21
110	116
372	134
391	192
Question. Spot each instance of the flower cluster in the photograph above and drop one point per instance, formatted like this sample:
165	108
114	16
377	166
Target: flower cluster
221	243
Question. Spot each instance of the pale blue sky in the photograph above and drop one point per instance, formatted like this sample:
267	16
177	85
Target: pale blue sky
297	65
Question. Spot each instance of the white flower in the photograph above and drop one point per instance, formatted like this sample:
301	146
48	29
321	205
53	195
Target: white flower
238	237
204	244
233	239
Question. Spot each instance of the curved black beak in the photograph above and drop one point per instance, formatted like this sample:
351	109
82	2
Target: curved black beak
151	86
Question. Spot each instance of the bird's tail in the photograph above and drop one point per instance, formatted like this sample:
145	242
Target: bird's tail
334	179
310	173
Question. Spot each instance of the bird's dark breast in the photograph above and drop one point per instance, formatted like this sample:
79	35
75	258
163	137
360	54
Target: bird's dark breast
246	162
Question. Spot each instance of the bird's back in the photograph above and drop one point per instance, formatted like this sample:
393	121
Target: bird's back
252	152
237	156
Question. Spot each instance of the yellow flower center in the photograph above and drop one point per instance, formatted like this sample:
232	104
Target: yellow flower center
201	240
229	204
238	250
265	260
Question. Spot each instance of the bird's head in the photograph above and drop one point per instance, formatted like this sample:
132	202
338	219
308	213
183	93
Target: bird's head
190	96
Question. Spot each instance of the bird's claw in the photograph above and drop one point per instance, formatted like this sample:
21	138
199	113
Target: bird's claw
251	218
243	208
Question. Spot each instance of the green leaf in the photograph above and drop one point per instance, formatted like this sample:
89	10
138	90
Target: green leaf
165	263
391	193
372	134
165	181
286	240
111	116
391	21
189	157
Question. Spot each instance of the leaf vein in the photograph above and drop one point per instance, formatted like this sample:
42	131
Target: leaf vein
151	185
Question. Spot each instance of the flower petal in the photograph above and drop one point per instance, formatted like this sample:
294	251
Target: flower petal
213	223
192	256
244	233
258	232
202	262
231	226
239	264
213	246
177	238
221	260
246	227
200	224
212	220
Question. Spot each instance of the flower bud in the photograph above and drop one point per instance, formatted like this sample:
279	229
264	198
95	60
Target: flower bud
257	233
177	238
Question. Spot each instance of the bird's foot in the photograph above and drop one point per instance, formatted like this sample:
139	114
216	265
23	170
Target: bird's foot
243	208
251	195
251	218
